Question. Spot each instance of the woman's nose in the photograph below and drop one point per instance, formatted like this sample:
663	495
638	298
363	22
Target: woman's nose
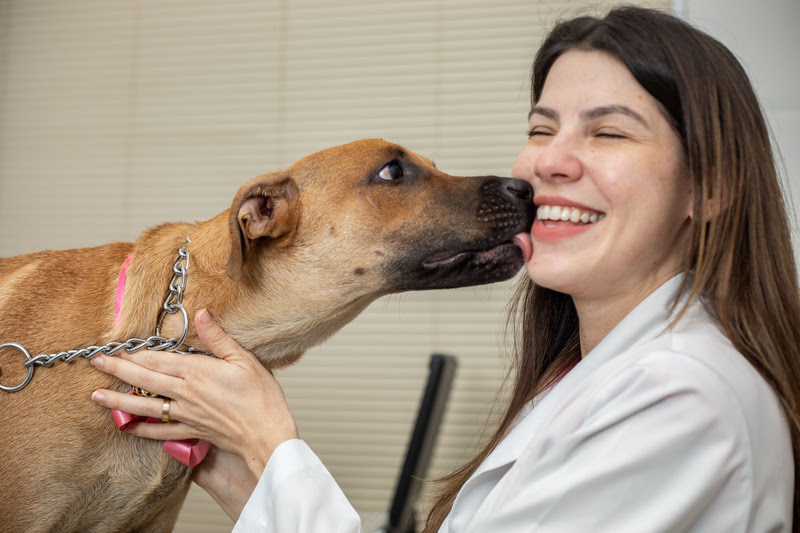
558	160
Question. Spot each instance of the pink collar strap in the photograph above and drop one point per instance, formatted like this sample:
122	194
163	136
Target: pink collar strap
189	452
123	275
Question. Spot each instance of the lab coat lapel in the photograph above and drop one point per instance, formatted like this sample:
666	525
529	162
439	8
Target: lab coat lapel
646	321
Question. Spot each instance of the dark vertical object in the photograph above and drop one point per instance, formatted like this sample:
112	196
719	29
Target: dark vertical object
402	518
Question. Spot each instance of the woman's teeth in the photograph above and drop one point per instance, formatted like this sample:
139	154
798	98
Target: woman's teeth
571	214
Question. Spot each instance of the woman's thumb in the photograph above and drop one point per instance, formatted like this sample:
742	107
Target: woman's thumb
214	337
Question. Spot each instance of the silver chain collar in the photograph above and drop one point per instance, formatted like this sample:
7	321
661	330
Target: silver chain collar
173	304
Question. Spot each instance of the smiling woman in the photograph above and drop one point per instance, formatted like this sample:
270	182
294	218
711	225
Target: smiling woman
658	359
600	146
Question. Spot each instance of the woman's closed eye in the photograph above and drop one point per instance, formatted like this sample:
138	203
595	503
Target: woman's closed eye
609	133
539	132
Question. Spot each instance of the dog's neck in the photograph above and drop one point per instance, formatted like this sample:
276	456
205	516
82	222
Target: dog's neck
262	315
149	275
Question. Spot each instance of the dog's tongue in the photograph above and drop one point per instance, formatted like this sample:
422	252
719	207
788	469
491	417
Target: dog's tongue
523	240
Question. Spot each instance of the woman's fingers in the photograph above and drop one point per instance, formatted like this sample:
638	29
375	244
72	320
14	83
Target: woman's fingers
162	372
141	376
163	362
149	407
170	431
130	403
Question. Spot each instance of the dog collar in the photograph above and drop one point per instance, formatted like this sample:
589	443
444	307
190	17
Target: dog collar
190	451
123	275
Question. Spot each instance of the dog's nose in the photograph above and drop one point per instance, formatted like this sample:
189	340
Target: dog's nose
516	189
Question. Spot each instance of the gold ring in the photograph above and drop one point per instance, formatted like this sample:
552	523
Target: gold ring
165	410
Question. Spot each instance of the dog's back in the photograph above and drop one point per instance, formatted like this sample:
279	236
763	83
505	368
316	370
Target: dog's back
65	467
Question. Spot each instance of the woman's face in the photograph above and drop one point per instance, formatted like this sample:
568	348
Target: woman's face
612	192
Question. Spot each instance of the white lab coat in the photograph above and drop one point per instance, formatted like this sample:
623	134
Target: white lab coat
653	430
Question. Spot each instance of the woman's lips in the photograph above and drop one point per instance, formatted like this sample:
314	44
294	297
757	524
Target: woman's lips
556	222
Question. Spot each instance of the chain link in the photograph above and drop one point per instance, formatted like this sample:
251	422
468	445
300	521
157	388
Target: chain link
172	304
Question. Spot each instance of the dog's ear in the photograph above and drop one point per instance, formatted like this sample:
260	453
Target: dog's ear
264	208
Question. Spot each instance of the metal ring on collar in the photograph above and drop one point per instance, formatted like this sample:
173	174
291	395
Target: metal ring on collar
27	359
164	313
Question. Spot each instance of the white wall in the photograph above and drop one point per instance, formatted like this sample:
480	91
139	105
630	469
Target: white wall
764	37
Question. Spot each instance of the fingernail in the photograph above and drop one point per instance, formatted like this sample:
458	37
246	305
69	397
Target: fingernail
98	396
97	361
204	317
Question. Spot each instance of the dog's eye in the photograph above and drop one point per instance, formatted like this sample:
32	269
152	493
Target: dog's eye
391	172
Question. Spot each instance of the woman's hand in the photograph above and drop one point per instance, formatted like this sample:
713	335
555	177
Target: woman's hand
231	401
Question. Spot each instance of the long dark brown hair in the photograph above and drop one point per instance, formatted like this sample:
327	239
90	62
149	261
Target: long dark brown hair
740	253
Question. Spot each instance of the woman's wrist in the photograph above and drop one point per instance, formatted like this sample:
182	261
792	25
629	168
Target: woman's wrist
260	451
227	479
256	463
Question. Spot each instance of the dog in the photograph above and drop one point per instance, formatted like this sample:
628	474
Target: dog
298	255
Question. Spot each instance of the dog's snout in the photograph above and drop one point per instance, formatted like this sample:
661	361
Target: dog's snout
516	189
507	204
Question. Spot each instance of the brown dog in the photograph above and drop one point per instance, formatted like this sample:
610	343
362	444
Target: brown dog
300	253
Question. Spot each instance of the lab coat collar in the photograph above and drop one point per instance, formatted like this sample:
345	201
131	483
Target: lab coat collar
646	321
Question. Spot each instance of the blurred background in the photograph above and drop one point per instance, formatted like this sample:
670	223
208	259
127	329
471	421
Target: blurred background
116	116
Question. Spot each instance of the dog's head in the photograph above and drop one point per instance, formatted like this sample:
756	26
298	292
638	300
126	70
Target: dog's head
313	245
377	214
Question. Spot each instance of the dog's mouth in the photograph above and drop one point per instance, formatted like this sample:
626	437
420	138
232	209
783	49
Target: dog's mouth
458	268
445	260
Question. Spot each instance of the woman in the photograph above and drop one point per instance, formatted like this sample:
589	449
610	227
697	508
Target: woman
658	363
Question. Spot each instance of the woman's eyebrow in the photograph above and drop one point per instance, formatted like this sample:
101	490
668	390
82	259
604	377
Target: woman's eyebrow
601	111
591	114
546	112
